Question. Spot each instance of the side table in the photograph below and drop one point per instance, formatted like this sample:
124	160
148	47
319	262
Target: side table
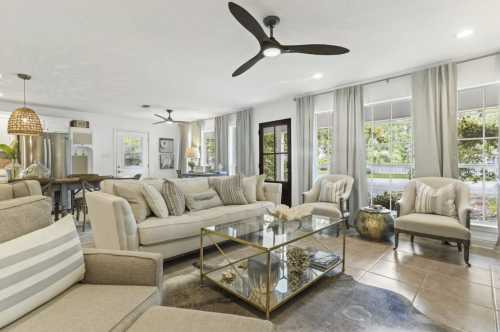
374	224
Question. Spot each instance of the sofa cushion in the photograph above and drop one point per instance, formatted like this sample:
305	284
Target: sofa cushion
168	319
202	201
174	197
155	200
86	307
24	215
439	201
157	230
132	193
230	189
6	192
261	195
250	188
38	266
433	224
325	209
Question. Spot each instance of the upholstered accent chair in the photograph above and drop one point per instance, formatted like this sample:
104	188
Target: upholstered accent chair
440	227
333	210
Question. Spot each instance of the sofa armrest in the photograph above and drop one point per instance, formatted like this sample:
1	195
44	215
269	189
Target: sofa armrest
309	196
112	220
402	207
272	191
116	267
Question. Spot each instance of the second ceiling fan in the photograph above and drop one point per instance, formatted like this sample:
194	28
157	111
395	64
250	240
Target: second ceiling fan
269	46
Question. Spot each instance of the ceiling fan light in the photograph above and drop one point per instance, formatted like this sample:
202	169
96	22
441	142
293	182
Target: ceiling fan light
271	51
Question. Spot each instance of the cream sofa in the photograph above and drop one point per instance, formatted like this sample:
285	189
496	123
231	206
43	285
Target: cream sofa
114	226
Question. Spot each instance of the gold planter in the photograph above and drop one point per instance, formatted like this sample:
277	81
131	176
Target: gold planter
373	224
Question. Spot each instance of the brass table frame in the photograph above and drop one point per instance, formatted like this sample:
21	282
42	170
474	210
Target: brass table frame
340	223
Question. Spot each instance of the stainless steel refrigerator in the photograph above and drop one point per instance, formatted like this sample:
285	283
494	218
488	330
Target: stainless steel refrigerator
51	150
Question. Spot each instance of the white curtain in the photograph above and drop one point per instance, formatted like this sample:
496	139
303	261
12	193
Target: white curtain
221	142
305	142
183	145
350	151
245	163
435	121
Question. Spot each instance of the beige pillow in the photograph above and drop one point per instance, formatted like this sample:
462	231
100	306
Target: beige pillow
250	189
155	200
332	191
436	201
261	196
174	197
230	190
202	201
132	193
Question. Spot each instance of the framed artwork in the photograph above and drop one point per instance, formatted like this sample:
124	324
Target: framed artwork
166	145
167	160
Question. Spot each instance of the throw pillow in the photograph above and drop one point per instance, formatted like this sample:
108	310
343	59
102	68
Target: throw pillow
202	201
250	189
38	266
230	190
174	197
155	200
436	201
331	191
261	196
132	193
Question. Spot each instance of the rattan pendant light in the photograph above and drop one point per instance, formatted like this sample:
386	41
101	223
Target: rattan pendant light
24	121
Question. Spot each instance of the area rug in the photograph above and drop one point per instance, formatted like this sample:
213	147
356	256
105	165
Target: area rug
335	303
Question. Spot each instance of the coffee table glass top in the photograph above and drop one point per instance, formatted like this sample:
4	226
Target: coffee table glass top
265	232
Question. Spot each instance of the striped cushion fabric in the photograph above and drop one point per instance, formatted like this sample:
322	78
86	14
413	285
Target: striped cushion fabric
230	190
155	200
439	201
332	191
38	266
174	197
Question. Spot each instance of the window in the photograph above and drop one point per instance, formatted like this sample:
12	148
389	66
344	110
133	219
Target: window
389	144
323	146
478	112
232	150
208	149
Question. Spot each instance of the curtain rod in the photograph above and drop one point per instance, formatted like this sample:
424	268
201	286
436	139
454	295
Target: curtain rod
394	76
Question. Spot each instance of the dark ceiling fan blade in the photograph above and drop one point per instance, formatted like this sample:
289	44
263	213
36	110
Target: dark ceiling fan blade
318	49
247	65
248	21
161	117
155	123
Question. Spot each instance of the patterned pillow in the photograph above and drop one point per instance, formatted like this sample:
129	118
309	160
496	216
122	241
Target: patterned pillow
332	191
436	201
230	190
250	188
202	201
132	193
174	197
38	266
155	200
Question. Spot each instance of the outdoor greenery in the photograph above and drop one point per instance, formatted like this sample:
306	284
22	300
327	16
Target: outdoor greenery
388	142
387	199
271	147
210	150
324	150
132	151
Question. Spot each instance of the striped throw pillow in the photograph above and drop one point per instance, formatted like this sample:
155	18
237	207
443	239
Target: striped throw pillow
38	266
435	201
332	191
230	190
155	200
174	197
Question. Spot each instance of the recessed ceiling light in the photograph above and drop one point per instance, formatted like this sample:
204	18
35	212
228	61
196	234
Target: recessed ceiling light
465	33
317	76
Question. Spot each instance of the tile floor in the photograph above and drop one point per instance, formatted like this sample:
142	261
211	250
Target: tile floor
434	277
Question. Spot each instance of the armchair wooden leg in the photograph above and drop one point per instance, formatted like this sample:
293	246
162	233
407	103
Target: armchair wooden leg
459	246
466	252
396	239
412	238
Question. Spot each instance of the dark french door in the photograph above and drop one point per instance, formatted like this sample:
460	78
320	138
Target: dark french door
275	155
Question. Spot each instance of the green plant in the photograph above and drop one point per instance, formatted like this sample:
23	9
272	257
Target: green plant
385	199
10	151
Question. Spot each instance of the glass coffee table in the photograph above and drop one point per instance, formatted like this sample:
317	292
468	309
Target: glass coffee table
278	260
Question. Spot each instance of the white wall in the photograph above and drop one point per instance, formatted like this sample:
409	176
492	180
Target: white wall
103	127
278	110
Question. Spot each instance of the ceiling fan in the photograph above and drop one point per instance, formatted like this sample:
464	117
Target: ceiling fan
167	119
270	47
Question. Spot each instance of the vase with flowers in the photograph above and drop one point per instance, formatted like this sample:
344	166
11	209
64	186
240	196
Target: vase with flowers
192	156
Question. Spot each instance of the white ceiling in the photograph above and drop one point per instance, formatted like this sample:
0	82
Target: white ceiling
111	56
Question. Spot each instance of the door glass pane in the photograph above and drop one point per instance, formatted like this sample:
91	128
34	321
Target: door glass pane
282	167
281	139
132	151
470	151
269	167
268	140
